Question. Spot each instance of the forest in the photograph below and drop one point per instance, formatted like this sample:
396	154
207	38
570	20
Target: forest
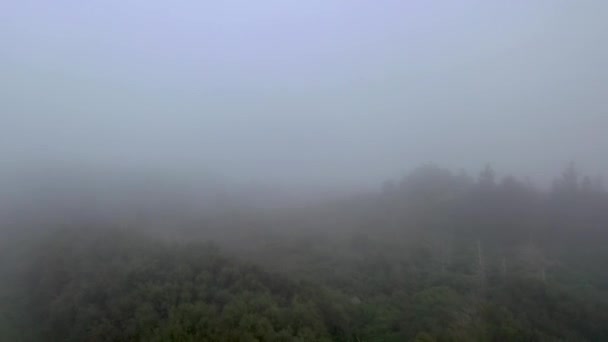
306	171
435	256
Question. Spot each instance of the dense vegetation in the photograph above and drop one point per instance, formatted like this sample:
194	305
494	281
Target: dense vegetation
437	256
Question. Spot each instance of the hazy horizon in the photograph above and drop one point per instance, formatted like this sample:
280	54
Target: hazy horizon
323	171
316	93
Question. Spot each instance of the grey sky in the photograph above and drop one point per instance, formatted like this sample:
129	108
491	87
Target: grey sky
306	91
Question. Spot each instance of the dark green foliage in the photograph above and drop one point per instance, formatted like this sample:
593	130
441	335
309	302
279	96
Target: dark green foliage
124	287
436	257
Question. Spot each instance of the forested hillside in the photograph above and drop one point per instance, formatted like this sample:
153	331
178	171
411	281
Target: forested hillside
436	256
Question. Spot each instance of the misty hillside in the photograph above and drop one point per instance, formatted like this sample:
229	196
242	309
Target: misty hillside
435	256
260	171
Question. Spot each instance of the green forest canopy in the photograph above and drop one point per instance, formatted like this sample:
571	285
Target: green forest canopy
437	256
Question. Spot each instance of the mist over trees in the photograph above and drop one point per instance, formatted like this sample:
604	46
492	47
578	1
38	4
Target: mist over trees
435	256
241	171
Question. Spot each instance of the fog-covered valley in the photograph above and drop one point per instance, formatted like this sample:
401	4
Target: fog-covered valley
303	170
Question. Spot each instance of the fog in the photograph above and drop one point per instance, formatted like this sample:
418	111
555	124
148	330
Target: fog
284	170
327	94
